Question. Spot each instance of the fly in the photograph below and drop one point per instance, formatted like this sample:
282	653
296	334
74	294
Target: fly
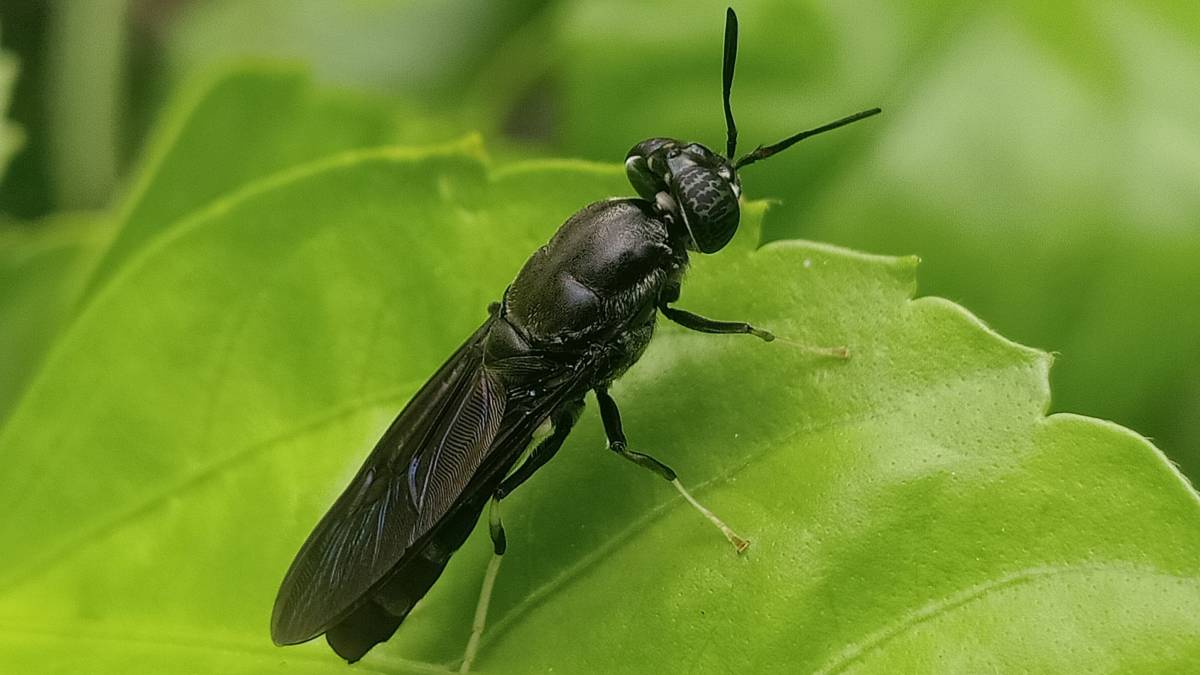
580	312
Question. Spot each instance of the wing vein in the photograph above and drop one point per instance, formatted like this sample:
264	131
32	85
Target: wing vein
438	451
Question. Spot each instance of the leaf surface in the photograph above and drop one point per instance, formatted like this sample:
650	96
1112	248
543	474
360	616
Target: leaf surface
43	268
228	129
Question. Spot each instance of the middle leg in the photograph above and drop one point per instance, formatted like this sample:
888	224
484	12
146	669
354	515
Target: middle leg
563	420
611	417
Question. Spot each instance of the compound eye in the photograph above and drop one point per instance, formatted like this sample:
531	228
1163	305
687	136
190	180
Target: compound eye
648	147
642	177
709	206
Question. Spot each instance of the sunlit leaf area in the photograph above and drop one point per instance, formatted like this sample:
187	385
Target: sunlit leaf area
236	237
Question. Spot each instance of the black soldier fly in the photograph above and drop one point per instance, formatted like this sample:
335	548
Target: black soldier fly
578	315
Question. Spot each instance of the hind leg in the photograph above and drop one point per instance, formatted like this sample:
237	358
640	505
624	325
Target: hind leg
564	419
499	545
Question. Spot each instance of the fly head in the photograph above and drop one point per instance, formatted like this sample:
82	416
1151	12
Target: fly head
698	188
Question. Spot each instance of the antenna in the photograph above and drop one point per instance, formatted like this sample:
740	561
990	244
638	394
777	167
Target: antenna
731	35
762	153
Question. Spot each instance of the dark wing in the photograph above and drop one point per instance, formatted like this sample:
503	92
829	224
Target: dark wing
377	616
408	481
433	469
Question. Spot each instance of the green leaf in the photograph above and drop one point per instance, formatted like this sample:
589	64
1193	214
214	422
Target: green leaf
911	507
228	129
223	131
1041	158
43	267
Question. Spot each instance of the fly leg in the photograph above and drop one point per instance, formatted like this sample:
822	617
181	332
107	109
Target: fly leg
617	443
563	420
705	325
499	545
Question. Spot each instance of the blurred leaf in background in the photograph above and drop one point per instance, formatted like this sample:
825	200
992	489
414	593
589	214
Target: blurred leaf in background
452	66
10	134
85	94
416	49
98	73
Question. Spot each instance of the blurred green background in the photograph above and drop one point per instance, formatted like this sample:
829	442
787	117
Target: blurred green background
1042	158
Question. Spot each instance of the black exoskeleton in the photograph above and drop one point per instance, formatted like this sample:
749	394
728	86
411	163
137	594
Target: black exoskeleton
579	314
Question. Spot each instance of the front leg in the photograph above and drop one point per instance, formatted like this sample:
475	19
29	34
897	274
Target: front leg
698	323
704	325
